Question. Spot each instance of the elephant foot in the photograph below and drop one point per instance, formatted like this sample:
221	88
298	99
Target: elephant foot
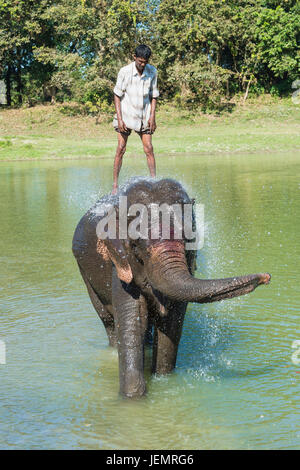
133	385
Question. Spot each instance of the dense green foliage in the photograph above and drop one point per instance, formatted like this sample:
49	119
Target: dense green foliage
205	51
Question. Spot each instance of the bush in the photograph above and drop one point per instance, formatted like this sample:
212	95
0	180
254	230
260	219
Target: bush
199	83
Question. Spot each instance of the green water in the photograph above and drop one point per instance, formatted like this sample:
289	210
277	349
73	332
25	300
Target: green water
235	385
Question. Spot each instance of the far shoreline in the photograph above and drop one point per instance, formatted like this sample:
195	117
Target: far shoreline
178	154
263	125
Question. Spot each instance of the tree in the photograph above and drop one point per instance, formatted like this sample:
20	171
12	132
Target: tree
93	39
205	51
21	29
256	42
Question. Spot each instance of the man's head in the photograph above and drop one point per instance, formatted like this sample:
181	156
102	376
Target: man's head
141	56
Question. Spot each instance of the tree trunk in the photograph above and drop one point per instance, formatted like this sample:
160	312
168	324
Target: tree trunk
19	77
8	85
247	90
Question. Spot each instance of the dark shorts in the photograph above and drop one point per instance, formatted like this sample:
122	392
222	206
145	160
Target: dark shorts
128	132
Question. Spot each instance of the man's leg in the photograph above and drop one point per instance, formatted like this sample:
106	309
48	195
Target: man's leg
148	149
121	148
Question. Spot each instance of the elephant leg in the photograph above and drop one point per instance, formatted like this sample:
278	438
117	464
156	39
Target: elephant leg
147	321
131	329
106	317
167	335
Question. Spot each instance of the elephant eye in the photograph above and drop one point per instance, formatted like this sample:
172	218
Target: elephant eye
137	256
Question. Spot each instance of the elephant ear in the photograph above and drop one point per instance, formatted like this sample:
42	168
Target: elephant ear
115	251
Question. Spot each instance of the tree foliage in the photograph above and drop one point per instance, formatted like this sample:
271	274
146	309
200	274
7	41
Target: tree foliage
205	51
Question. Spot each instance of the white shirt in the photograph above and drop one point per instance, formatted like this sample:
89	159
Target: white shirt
136	92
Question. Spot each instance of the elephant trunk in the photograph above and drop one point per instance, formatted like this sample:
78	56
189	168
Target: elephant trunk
169	274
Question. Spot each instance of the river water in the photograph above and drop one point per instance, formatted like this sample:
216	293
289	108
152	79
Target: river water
236	385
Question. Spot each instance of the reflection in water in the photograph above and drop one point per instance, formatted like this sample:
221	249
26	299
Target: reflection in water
235	385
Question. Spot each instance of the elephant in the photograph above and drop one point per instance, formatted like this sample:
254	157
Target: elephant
140	286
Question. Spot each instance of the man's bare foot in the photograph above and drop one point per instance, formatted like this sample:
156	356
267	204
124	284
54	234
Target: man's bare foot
114	190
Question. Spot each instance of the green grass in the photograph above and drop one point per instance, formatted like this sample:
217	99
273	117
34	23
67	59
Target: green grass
261	125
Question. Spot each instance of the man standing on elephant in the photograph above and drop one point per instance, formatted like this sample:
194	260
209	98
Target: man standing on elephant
135	96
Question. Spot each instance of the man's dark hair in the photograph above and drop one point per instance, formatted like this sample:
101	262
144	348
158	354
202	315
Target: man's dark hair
143	51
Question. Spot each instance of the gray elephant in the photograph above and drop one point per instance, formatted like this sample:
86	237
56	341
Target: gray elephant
141	286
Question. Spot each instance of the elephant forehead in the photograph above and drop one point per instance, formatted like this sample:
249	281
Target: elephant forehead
139	189
163	191
168	184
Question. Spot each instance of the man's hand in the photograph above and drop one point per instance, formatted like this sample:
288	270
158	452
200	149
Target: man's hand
152	124
121	125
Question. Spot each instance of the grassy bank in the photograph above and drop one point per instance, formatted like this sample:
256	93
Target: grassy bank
44	132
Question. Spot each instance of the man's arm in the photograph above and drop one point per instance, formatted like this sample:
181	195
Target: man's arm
151	122
154	95
121	124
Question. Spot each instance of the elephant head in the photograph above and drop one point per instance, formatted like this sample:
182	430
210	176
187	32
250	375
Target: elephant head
163	263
